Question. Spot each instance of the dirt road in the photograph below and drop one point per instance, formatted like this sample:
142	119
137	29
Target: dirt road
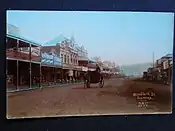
75	100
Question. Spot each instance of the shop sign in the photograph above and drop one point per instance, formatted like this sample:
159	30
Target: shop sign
165	64
159	62
91	69
66	66
50	59
84	68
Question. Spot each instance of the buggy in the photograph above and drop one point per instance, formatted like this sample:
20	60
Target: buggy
93	77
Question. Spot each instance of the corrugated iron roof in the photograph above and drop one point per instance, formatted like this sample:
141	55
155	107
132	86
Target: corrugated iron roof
55	41
167	56
91	60
15	36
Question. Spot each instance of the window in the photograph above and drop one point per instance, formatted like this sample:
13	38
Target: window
64	58
68	59
74	61
71	60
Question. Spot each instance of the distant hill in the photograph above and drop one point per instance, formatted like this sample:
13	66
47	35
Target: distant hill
135	69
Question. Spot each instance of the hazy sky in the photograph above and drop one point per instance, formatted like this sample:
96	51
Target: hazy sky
123	37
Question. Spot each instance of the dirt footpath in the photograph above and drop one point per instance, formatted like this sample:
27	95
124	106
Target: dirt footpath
116	97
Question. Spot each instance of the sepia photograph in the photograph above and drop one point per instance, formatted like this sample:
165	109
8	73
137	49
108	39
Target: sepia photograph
84	63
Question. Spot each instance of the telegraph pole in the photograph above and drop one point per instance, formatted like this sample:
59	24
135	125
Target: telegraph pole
153	59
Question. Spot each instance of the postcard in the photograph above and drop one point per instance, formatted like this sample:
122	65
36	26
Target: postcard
83	63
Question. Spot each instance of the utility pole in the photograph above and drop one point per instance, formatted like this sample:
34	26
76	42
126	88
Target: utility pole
152	72
153	59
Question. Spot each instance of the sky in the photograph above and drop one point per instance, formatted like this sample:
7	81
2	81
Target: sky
123	37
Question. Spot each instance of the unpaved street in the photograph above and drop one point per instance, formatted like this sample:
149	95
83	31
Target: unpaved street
114	98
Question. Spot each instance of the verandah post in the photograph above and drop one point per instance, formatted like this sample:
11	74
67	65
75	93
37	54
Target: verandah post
17	68
30	69
40	77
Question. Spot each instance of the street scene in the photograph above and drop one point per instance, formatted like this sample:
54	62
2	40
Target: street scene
75	100
77	66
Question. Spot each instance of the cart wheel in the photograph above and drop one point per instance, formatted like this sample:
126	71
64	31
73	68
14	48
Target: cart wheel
88	85
101	84
88	82
85	84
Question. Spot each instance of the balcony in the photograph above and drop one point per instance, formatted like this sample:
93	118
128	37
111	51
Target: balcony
14	54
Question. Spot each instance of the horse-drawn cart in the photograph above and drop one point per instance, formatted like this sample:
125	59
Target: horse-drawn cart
93	77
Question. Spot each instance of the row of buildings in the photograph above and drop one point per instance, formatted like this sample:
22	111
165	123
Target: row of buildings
161	70
30	65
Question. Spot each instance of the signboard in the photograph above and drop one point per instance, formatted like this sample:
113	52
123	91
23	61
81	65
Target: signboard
35	54
171	62
57	61
84	68
17	55
158	62
49	59
91	69
78	67
67	66
35	51
165	64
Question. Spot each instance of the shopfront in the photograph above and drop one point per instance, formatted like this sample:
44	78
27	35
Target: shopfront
50	69
20	67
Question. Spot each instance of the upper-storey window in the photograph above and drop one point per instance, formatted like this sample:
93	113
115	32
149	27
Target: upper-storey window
68	59
62	57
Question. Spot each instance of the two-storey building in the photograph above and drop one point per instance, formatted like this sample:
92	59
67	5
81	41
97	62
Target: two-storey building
23	60
66	50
